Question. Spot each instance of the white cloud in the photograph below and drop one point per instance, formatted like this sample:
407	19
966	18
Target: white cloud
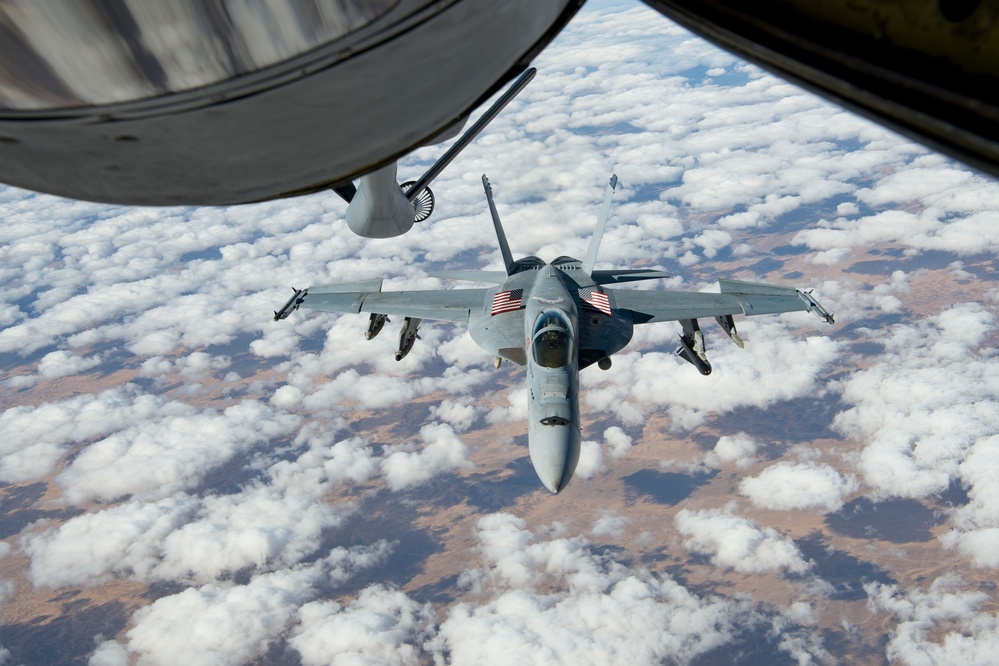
737	543
123	540
36	437
927	402
777	364
739	449
379	626
264	527
442	450
708	167
609	524
936	206
943	625
591	460
226	623
787	486
60	363
560	600
160	458
617	442
459	414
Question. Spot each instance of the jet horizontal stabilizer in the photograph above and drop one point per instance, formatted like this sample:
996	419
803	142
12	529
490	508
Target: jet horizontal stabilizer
627	275
489	277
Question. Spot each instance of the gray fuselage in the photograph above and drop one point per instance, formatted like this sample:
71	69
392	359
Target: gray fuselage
555	333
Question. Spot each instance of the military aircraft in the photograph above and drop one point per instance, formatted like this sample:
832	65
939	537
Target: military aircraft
556	319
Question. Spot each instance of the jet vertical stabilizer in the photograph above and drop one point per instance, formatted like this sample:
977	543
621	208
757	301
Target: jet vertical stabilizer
508	262
598	233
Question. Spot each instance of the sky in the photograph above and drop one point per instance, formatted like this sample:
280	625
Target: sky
176	464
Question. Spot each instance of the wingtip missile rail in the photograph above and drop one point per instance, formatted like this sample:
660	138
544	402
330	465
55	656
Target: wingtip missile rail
814	306
291	305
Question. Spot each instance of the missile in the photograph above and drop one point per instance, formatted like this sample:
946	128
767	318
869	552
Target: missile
291	305
692	347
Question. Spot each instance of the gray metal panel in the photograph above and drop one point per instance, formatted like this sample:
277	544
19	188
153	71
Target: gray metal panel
451	305
652	306
743	287
513	354
316	120
489	277
360	286
502	332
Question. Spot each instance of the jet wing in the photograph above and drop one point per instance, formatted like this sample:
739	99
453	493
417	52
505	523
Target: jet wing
736	297
353	298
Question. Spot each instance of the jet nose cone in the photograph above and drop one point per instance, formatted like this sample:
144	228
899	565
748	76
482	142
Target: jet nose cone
554	453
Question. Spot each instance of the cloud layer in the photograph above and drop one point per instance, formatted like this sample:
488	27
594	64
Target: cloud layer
288	490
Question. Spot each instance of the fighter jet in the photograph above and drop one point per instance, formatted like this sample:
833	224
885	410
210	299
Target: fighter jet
556	319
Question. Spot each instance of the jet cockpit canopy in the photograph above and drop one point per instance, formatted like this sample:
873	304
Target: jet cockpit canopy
552	344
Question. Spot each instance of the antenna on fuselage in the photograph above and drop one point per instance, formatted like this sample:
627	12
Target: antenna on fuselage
508	262
591	253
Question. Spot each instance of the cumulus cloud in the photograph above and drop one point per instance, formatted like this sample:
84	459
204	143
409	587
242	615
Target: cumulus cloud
737	543
719	163
380	626
925	404
160	458
459	414
591	460
786	486
60	363
739	449
270	524
777	364
226	623
442	450
592	609
942	625
609	524
123	540
36	437
954	212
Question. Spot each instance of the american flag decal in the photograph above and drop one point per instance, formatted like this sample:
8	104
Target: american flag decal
595	299
507	301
